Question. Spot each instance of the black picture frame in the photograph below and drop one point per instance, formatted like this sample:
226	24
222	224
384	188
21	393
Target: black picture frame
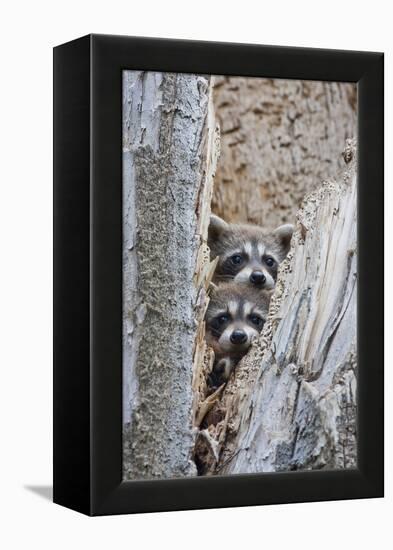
88	274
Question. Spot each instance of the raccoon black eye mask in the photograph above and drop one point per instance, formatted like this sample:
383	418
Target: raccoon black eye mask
235	316
248	253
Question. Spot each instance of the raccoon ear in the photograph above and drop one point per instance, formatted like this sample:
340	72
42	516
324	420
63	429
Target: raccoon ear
216	227
283	235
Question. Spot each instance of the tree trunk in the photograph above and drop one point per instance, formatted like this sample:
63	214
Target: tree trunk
279	140
169	155
291	403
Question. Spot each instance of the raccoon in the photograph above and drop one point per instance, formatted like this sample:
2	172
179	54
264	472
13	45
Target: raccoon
247	253
235	315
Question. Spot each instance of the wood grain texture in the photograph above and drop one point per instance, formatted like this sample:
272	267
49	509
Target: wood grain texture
165	117
291	403
279	140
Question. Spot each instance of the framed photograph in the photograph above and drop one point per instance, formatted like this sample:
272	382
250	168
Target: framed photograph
218	275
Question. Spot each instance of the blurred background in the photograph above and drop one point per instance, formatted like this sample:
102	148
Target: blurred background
279	140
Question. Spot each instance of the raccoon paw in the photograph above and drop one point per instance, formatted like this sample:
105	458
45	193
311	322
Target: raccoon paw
221	372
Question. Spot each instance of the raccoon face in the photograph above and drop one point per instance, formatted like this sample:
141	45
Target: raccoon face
247	253
235	316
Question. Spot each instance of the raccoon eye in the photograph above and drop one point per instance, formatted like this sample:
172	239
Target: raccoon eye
269	261
223	319
256	320
237	259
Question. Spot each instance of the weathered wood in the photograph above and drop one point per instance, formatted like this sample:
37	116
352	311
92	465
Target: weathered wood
279	140
168	139
291	403
203	358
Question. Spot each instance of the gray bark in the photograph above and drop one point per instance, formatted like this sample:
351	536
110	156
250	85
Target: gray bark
166	135
291	403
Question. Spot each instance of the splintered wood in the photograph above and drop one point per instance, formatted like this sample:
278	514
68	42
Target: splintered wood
168	163
204	356
291	403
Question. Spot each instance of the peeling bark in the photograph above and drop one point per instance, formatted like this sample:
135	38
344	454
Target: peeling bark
167	171
291	403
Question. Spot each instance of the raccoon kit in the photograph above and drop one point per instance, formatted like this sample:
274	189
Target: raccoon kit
235	315
247	253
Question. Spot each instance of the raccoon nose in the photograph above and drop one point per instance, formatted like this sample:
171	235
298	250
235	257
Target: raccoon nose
257	278
238	337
